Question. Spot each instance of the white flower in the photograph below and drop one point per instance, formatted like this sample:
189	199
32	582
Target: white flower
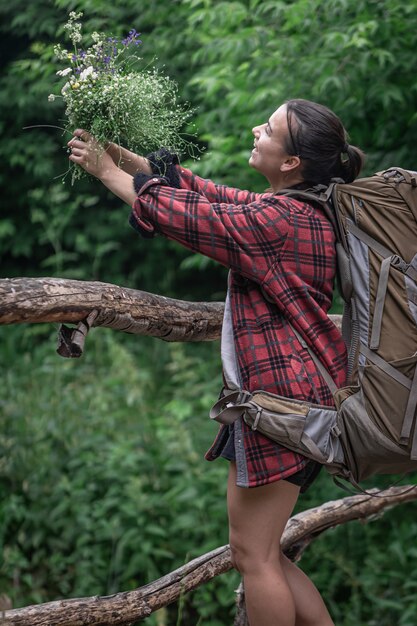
67	70
89	71
51	97
59	52
65	88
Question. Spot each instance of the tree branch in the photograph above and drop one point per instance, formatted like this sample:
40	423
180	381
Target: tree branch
130	606
34	300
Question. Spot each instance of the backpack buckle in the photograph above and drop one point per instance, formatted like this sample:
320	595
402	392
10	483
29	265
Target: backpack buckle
399	263
394	175
243	397
257	418
335	431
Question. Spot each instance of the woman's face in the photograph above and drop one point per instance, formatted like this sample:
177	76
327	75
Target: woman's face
269	155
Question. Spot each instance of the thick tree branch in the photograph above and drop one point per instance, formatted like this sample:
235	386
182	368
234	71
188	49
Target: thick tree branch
128	607
34	300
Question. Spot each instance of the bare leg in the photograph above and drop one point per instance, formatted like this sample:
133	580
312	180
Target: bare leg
309	606
257	519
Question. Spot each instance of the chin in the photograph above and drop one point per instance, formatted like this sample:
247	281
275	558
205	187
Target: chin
252	160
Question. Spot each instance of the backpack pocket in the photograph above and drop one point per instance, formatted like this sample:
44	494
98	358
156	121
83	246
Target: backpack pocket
280	419
321	436
367	450
385	397
284	428
301	426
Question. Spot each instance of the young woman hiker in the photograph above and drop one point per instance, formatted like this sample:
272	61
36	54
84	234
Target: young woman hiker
281	255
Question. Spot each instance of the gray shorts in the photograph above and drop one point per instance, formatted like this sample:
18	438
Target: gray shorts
304	478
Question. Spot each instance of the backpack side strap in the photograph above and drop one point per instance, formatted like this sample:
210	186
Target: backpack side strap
385	366
409	418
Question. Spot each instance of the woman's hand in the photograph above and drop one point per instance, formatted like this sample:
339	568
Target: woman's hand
92	156
87	152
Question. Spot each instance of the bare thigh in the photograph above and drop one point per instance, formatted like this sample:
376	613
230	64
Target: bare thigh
257	517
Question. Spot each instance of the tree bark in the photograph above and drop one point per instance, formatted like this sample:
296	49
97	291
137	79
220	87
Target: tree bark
34	300
128	607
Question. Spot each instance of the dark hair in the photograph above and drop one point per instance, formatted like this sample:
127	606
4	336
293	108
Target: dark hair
318	137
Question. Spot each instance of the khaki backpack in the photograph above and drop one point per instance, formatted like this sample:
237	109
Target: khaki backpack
372	430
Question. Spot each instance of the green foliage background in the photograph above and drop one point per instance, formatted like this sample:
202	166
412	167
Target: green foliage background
102	482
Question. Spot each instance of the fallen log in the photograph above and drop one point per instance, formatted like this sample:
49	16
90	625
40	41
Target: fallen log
131	606
52	300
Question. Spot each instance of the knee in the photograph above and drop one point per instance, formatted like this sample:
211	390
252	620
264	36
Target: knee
246	557
239	550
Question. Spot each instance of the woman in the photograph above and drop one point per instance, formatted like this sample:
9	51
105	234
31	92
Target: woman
281	255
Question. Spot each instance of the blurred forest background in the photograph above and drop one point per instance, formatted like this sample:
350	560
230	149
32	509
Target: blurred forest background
102	482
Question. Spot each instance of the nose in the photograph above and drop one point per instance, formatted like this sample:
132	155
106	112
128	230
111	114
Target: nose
256	131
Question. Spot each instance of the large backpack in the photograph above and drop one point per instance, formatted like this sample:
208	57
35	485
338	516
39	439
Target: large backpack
373	428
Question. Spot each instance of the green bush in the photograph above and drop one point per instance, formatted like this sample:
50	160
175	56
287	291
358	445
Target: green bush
103	487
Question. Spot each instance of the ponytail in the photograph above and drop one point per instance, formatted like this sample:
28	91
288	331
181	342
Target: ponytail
352	164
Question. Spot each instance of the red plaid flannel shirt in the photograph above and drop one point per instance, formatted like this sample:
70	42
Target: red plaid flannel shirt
282	259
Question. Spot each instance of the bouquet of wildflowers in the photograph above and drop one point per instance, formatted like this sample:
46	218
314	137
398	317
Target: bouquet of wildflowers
105	94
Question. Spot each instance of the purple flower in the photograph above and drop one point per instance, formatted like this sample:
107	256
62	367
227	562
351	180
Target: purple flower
133	37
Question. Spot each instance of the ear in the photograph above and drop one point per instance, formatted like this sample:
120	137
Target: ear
290	164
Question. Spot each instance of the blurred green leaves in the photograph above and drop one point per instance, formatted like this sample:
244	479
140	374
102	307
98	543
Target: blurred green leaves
236	61
102	481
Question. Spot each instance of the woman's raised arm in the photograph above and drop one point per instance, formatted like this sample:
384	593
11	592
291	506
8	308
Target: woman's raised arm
128	161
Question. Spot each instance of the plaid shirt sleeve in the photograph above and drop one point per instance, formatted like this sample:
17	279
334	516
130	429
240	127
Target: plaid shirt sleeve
246	237
214	192
165	163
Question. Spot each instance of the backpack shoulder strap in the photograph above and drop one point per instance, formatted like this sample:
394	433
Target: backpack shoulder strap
325	196
320	194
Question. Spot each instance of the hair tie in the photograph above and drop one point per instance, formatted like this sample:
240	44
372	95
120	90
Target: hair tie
344	156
